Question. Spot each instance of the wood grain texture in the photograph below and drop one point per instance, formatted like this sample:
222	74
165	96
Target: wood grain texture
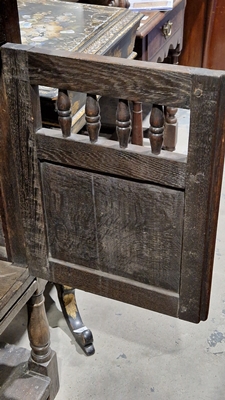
17	301
135	162
119	184
151	83
156	129
9	196
93	118
64	112
108	285
126	228
204	173
14	281
123	123
217	165
9	32
21	167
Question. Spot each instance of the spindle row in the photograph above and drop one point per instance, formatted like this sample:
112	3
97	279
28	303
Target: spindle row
162	131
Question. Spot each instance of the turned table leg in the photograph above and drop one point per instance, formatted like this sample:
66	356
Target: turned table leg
43	358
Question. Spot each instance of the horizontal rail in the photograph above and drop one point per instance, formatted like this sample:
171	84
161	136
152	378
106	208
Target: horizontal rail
108	76
114	287
135	162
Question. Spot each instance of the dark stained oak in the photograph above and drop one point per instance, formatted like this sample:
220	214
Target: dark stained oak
117	288
14	281
150	85
123	123
93	119
156	129
64	112
9	32
123	223
135	162
202	192
29	191
101	222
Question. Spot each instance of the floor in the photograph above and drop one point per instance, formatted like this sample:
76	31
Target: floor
140	354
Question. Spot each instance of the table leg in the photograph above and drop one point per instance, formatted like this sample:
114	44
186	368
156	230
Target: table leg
43	358
81	333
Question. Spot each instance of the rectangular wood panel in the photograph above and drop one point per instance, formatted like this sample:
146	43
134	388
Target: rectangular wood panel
118	226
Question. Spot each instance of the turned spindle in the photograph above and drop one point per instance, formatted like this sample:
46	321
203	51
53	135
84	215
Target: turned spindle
38	329
137	133
42	359
156	128
170	131
93	119
64	112
123	123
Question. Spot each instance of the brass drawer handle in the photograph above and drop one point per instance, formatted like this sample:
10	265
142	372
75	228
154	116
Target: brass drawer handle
167	29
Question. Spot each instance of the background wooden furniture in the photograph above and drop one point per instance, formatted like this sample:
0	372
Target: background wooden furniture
159	39
76	27
153	41
204	30
118	223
